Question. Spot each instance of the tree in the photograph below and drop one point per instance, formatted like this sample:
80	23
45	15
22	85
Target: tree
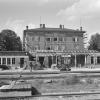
9	41
94	43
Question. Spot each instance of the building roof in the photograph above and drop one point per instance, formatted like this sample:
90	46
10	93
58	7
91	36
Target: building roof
67	52
46	29
13	53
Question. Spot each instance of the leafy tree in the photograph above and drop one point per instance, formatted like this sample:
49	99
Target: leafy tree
9	41
2	45
94	43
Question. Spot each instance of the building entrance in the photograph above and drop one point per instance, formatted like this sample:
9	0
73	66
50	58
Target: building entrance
50	61
41	60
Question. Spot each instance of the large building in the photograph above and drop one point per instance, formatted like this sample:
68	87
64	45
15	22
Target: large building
47	43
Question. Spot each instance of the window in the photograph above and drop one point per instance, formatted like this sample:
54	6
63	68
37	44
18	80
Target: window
63	47
48	39
55	39
21	60
65	38
36	47
27	38
60	39
8	61
75	39
48	48
33	38
4	61
92	60
98	60
36	38
13	60
56	47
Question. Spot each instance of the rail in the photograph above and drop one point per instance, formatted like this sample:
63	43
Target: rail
50	95
45	72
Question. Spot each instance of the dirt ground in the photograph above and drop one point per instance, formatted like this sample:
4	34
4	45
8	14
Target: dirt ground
70	84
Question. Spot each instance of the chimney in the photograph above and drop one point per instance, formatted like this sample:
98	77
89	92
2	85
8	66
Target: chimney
60	26
81	28
43	25
26	27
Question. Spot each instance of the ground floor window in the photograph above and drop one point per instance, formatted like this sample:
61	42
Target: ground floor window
98	60
8	61
13	60
21	62
54	60
4	61
92	61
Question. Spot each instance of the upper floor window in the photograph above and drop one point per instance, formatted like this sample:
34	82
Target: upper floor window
36	47
48	39
48	48
56	47
27	38
60	39
32	38
75	39
55	39
36	38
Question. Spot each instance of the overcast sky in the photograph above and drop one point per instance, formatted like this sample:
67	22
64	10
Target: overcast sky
16	14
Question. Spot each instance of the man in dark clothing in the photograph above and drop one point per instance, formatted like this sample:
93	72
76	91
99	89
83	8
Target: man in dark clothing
31	65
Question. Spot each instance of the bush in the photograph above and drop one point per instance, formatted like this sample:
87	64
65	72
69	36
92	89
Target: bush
5	67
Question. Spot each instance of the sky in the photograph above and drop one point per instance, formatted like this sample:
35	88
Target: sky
17	14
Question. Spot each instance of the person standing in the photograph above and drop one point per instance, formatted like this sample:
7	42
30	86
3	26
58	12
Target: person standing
31	65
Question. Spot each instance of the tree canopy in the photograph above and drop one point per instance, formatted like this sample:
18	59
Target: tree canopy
9	41
94	43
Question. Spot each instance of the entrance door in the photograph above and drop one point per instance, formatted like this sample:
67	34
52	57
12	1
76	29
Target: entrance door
41	60
50	61
21	62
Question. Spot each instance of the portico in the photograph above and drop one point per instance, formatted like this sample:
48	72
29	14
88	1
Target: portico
78	58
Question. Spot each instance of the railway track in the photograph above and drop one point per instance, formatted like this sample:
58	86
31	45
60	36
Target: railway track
50	95
48	76
23	72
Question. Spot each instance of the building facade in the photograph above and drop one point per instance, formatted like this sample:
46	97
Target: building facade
57	39
14	59
47	43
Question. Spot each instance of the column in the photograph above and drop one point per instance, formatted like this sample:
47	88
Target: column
1	60
11	61
94	60
85	60
75	61
6	60
36	58
56	59
52	59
